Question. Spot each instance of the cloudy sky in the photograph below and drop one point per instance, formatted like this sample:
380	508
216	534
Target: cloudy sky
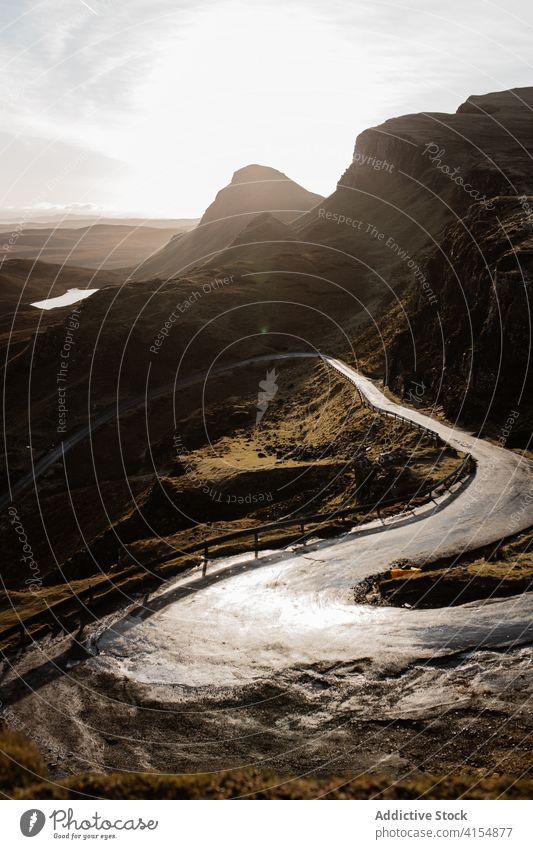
148	106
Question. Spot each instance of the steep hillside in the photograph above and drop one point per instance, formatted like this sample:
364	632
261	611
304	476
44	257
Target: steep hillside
472	354
438	211
253	190
413	176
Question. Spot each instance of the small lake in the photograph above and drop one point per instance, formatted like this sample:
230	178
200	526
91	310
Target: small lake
70	297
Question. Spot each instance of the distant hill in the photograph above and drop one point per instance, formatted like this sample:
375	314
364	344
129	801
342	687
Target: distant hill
253	191
69	221
105	246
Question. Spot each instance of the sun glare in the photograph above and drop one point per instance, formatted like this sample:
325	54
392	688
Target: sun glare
241	88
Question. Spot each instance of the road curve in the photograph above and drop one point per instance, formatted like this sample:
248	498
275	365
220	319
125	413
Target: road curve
286	613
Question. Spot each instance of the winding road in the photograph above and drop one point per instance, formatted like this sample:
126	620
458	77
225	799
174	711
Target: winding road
268	661
287	612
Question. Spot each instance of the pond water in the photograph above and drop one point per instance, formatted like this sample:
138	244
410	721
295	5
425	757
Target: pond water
72	296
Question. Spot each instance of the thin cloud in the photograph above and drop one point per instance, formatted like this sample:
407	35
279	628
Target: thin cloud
184	93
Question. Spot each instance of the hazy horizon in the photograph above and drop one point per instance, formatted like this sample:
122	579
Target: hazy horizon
98	117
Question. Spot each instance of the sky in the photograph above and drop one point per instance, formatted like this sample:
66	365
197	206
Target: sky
147	107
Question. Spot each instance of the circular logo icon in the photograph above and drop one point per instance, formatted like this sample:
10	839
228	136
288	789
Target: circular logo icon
32	822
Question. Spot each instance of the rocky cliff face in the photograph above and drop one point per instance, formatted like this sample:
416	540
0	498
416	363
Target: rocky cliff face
472	351
438	210
414	176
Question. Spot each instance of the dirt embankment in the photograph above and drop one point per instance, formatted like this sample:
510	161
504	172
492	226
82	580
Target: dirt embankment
503	569
21	765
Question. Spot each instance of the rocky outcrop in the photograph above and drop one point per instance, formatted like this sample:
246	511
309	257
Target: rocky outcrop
414	176
253	191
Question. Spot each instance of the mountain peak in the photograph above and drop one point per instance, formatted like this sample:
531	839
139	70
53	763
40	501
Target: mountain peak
256	174
257	194
259	188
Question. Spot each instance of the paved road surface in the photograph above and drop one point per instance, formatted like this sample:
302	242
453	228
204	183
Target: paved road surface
288	611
